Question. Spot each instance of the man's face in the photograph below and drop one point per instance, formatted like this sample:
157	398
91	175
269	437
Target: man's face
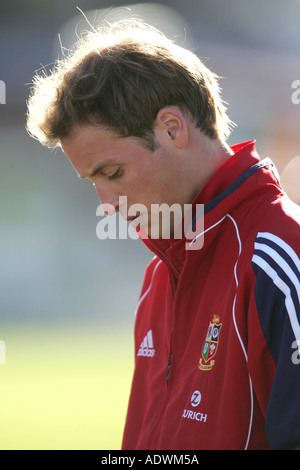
121	168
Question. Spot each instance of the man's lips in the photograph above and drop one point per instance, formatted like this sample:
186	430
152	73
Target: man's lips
135	221
131	218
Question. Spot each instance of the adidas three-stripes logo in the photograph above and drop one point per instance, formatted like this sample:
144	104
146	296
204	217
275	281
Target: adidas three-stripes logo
146	347
280	262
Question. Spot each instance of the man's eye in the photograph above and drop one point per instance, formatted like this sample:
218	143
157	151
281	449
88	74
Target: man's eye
116	174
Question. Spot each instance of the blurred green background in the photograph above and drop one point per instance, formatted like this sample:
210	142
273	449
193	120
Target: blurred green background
67	299
64	388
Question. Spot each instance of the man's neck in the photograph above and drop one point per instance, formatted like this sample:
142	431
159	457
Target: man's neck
207	155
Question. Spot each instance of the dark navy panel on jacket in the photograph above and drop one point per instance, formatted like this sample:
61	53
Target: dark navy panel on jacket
276	267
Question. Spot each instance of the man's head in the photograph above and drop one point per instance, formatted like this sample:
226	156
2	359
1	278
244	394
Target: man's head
136	114
120	77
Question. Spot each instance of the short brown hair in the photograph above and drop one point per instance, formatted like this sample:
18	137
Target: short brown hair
120	77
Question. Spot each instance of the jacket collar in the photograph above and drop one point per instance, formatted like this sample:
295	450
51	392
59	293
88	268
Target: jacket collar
221	193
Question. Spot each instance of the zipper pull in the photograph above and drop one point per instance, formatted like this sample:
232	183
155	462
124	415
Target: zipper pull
169	367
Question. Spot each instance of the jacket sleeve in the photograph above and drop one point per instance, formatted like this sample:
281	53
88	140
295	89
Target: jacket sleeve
277	296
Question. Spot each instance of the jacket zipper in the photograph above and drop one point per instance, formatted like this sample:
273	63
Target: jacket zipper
169	366
171	268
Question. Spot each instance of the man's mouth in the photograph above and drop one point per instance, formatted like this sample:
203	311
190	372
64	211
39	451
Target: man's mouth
135	220
130	218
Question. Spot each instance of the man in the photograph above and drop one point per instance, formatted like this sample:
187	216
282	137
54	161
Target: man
217	324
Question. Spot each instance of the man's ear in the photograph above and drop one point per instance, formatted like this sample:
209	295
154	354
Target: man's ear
171	123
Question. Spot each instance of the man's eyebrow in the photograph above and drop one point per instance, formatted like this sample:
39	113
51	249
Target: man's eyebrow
97	168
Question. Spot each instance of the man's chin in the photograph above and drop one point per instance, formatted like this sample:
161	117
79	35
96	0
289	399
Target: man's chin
145	229
159	233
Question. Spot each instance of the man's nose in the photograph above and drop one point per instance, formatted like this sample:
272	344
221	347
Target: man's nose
109	201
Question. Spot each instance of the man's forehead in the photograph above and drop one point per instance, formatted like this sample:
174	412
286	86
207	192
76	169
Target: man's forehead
88	136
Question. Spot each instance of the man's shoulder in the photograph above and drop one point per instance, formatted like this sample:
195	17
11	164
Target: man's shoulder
282	219
278	215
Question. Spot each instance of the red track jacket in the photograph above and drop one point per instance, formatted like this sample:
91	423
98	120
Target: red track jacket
217	328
